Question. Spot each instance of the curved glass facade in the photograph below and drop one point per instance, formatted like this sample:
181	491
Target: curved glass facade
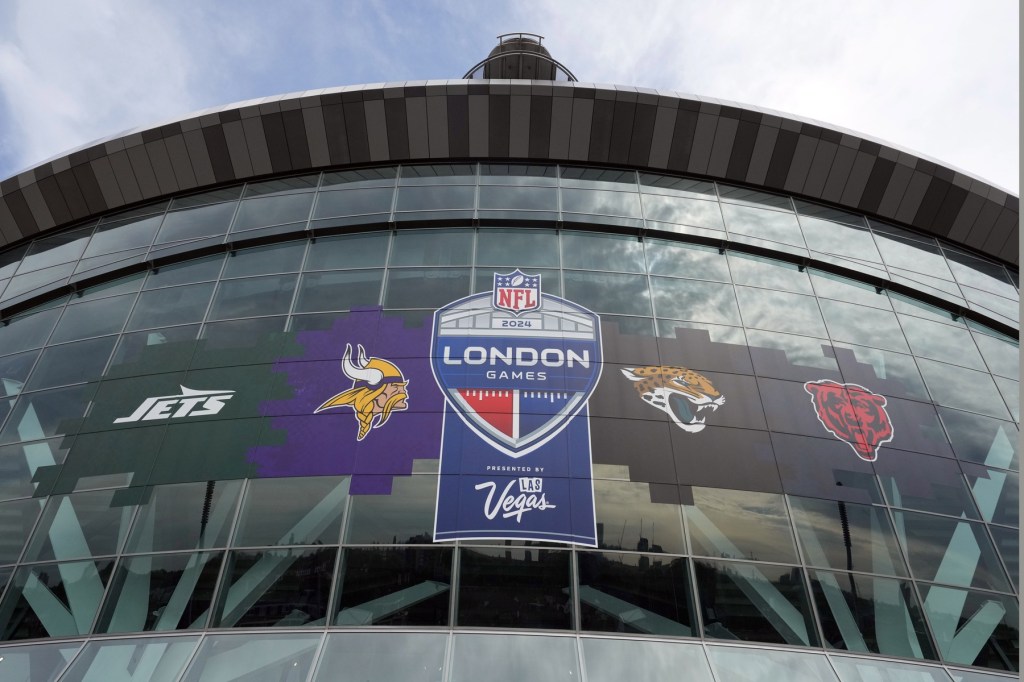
803	441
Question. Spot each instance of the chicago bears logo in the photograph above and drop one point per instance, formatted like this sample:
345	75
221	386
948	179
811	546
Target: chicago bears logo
378	389
679	392
853	414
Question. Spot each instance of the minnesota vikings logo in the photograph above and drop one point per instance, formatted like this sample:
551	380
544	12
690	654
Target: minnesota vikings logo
378	389
852	414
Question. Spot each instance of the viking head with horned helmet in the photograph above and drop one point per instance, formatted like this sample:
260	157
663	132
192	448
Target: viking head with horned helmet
378	389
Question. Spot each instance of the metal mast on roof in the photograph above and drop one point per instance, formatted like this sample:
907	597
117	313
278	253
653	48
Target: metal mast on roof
520	56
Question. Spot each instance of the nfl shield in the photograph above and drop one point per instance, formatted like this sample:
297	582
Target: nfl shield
516	292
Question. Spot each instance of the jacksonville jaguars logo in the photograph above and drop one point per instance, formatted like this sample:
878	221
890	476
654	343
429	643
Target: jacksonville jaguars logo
681	393
853	414
378	389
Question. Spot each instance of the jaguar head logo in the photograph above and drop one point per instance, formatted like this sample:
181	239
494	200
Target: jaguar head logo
853	414
378	389
681	393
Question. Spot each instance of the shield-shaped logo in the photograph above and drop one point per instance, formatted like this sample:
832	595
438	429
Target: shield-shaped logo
516	292
518	372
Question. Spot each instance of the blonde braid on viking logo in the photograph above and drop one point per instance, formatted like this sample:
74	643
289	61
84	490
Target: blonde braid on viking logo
378	389
679	392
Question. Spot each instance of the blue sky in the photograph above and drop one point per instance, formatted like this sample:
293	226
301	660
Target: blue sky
933	76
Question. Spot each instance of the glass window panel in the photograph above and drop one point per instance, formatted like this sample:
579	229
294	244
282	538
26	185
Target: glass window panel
828	285
53	250
121	233
276	588
171	306
587	251
865	366
973	628
435	198
17	519
53	600
686	299
198	270
27	331
686	260
754	602
10	259
635	326
739	524
254	658
46	413
282	186
152	659
603	178
996	492
1008	544
827	236
800	354
426	288
635	593
211	197
1002	356
385	656
18	464
239	342
253	296
395	586
514	587
517	174
36	279
627	519
348	251
925	483
438	174
14	370
292	511
124	285
406	516
673	186
432	247
680	211
161	592
185	516
36	663
961	388
843	535
994	306
353	202
768	273
366	177
780	311
1010	390
866	326
980	274
339	290
609	293
981	439
515	657
626	204
135	351
743	195
950	551
518	248
193	223
762	665
519	198
775	226
866	670
614	660
93	318
265	260
910	306
71	363
79	525
941	342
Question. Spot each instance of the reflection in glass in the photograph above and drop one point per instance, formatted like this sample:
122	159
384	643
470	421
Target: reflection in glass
385	656
189	272
752	197
205	221
687	299
161	592
16	518
339	290
53	600
18	464
80	525
348	251
27	331
265	260
119	233
69	364
275	210
434	198
932	484
996	492
739	524
981	439
866	670
628	520
680	211
941	342
587	251
608	292
363	177
36	663
780	311
406	516
291	511
395	586
611	660
47	251
154	659
519	198
765	665
965	389
253	658
426	288
354	202
686	260
870	614
45	414
950	551
843	535
973	628
1008	543
171	306
253	296
185	516
519	248
768	273
514	657
93	318
865	326
276	588
514	587
826	236
431	247
636	593
774	226
626	204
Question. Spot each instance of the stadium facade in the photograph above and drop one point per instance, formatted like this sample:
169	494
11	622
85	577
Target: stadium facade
507	377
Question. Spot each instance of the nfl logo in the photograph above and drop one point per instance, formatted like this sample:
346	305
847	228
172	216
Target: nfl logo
516	292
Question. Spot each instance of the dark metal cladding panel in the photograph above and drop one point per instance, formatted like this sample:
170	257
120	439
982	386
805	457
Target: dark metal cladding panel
1001	231
90	188
876	185
932	199
355	126
54	199
863	165
437	126
256	144
761	157
644	117
942	222
36	204
898	183
821	164
125	176
1011	248
913	196
983	224
782	159
238	149
965	218
22	215
104	173
419	138
316	135
337	136
682	139
661	138
742	150
180	164
803	155
838	174
8	226
1012	203
72	194
9	185
199	157
601	130
703	140
498	113
376	130
295	135
721	149
561	126
398	128
162	166
582	120
540	126
623	115
220	157
277	143
519	126
478	128
458	125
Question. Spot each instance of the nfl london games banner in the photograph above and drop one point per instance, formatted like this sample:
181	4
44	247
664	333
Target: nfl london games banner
516	367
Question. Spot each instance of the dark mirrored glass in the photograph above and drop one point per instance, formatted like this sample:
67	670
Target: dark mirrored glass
514	588
354	202
253	296
996	492
780	311
19	463
925	483
1010	391
193	223
683	211
348	251
838	238
843	535
625	204
365	177
866	326
519	248
585	251
435	198
134	351
201	199
71	363
339	290
768	273
80	525
981	439
185	516
973	628
53	600
739	524
1007	542
519	198
18	517
686	260
598	178
291	511
775	226
273	210
27	331
950	551
802	358
38	279
383	656
170	306
517	174
426	288
628	519
438	174
432	247
198	270
14	370
941	342
53	250
119	234
406	516
394	586
980	274
265	260
828	285
965	389
45	414
608	292
93	318
871	367
752	197
688	299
